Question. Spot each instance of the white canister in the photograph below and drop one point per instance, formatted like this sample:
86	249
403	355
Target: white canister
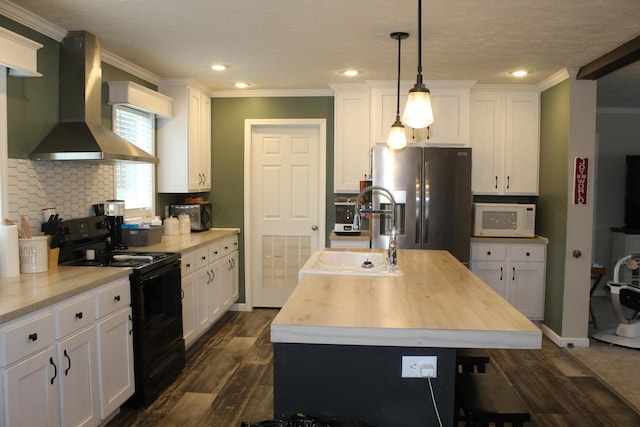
47	212
33	254
171	226
185	223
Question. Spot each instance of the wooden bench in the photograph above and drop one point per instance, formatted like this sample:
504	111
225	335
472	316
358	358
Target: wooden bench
471	360
489	398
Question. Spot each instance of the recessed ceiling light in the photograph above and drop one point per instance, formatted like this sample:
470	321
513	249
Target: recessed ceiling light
241	85
349	73
519	73
218	67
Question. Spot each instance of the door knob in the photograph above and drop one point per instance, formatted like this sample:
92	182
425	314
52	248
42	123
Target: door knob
314	227
577	253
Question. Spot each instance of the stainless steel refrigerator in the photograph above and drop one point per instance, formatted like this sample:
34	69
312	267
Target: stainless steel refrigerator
432	190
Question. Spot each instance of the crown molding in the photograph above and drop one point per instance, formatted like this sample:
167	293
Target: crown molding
41	25
554	79
282	93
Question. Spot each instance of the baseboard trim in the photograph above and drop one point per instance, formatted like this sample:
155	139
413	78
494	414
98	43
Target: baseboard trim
240	306
563	341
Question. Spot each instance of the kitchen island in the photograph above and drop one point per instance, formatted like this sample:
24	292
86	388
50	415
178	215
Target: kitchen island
339	340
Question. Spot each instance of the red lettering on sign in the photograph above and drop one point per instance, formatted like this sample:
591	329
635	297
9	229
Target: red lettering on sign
580	181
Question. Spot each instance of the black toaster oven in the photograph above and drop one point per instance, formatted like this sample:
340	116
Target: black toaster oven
199	214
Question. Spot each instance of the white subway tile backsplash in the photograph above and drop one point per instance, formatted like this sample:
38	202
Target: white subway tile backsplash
70	187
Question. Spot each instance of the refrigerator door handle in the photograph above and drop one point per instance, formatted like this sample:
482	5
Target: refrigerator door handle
418	213
425	204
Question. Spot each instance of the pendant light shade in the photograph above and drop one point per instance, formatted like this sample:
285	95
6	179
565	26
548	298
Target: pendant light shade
418	113
397	136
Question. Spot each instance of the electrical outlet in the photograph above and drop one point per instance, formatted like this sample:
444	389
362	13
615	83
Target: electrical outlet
419	366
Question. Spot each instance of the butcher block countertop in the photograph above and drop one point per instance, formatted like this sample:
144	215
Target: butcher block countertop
27	293
438	302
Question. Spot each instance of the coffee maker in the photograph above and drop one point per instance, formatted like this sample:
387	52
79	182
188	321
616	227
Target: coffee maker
114	214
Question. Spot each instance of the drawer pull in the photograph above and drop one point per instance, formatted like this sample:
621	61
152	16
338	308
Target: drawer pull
79	315
116	298
55	369
66	371
33	337
204	258
488	252
188	265
528	254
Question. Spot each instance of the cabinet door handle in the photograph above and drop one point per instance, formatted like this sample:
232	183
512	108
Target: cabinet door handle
496	182
188	265
66	371
55	369
514	274
508	181
500	273
33	337
79	315
131	330
116	298
181	293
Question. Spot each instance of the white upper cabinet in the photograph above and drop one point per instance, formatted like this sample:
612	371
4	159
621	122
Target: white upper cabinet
184	141
450	103
351	136
364	114
505	140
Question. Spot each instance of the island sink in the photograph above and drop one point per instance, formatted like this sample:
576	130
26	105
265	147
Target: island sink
349	264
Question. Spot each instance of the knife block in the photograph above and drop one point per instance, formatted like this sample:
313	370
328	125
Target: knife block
52	254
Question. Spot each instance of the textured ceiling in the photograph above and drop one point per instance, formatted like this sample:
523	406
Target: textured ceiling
301	44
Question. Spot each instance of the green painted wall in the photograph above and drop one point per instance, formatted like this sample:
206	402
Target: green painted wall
227	152
553	199
32	103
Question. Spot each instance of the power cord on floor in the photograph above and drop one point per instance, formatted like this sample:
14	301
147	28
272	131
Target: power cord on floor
433	399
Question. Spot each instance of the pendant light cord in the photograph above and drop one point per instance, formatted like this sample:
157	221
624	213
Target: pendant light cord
398	91
420	40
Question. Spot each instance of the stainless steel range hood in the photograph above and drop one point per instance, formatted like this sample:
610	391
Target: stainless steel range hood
80	135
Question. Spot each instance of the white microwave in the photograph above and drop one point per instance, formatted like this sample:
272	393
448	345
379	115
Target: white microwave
504	220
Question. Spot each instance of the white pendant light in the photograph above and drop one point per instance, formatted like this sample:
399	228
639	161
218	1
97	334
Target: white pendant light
418	113
397	136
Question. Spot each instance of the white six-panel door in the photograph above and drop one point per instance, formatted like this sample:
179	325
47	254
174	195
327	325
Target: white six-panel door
286	204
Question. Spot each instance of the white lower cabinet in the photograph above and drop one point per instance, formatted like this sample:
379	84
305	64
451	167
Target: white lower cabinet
78	372
188	286
209	285
115	353
31	391
70	364
516	271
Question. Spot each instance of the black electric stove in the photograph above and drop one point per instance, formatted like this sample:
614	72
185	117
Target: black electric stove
156	302
91	234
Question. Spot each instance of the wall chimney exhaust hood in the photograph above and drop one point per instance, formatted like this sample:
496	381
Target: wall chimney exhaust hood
79	135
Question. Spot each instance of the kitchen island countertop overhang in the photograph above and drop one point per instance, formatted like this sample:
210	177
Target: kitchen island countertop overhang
437	302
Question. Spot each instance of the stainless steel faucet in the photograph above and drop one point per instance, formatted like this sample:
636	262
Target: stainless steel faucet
392	249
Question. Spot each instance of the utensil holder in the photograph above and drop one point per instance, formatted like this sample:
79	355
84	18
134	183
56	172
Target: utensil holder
33	254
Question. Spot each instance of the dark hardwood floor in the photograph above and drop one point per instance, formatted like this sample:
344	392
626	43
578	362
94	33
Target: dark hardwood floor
228	379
